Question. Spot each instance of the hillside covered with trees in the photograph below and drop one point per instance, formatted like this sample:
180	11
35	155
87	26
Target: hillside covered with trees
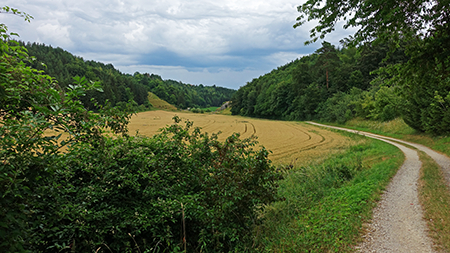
337	84
333	84
396	64
119	88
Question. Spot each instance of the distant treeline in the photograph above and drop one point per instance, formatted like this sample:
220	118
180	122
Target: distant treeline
118	87
337	84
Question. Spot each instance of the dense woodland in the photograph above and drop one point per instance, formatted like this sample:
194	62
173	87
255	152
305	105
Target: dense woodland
335	84
308	88
119	88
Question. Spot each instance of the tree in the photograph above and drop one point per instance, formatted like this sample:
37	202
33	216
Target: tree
328	59
380	20
420	26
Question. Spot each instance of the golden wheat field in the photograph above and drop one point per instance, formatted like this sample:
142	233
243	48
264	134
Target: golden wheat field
293	143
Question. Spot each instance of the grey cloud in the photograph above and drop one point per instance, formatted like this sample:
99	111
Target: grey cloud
197	37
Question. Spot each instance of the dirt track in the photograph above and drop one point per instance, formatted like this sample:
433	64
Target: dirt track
397	224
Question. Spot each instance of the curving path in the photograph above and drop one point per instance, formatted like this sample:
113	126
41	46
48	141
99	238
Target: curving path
397	224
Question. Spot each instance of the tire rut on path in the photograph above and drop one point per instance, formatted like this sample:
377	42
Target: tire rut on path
397	224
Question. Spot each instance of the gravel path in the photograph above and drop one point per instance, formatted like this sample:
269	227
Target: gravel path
397	224
442	160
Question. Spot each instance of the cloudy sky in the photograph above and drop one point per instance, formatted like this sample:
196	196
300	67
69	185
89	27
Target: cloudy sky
226	42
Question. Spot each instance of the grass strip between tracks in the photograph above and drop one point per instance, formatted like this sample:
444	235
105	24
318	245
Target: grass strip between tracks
324	206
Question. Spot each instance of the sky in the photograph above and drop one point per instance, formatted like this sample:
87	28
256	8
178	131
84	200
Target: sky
225	43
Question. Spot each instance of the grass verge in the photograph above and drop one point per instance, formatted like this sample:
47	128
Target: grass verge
397	128
434	195
435	199
323	206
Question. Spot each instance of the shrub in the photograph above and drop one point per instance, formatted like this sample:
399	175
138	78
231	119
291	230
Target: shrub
67	186
336	109
139	192
195	110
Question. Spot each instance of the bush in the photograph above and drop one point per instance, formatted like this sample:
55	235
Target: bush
388	104
38	119
383	104
336	109
137	192
195	110
67	186
428	105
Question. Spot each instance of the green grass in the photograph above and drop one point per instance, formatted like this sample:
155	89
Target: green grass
211	108
225	111
159	103
435	199
397	128
323	206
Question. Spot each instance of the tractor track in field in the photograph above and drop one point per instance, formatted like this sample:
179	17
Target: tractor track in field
323	141
288	141
254	129
246	128
397	224
294	149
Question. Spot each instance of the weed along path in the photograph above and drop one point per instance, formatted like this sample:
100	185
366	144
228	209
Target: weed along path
398	224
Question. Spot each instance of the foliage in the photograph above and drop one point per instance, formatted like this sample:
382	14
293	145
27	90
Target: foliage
37	120
421	28
137	192
331	84
381	20
119	87
427	96
336	109
197	110
73	180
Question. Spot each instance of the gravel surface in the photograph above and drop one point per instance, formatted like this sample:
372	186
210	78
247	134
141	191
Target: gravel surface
397	224
442	160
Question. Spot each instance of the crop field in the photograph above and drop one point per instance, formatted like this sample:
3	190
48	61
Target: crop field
293	143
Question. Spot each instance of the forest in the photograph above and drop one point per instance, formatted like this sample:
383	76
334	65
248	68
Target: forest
332	84
336	84
119	88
